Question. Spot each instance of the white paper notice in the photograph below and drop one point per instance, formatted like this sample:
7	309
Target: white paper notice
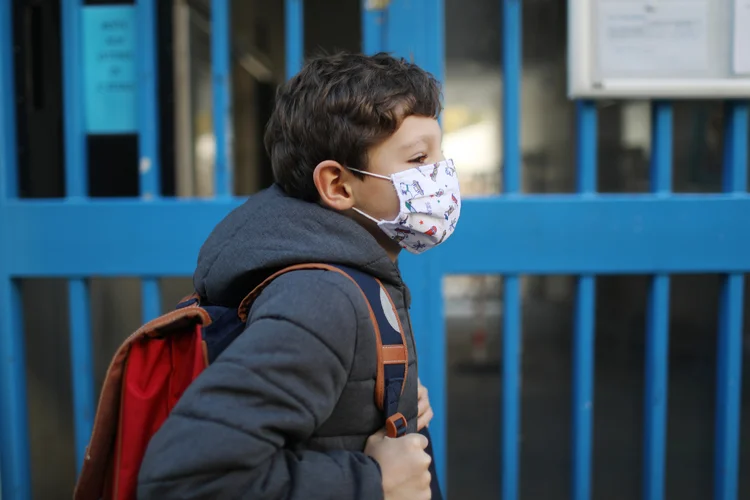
741	46
652	36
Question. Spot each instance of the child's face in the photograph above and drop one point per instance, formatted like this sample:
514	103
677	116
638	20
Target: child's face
416	142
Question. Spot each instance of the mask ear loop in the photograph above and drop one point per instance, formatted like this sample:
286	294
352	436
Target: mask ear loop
370	174
360	212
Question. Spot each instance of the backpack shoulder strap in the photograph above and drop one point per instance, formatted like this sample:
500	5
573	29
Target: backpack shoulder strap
392	352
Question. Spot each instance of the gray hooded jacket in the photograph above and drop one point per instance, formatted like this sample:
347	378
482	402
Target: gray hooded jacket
285	411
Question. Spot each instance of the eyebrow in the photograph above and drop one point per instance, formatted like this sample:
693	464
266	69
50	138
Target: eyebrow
420	140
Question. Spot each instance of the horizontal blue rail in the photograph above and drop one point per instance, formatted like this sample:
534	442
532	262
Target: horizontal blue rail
540	235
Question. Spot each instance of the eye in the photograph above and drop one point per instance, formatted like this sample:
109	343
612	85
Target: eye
421	159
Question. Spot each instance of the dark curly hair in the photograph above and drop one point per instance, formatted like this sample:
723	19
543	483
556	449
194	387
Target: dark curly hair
337	108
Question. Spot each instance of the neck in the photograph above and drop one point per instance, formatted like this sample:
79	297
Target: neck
393	254
392	249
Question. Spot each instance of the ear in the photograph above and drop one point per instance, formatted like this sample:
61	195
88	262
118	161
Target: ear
333	182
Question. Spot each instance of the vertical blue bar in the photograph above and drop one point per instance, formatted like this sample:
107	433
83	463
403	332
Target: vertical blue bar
422	274
657	327
373	28
586	115
150	299
435	38
76	178
657	352
148	109
15	471
148	133
294	31
391	28
15	461
511	386
429	52
82	365
512	50
735	147
729	362
661	148
77	187
583	343
8	165
222	95
728	388
434	317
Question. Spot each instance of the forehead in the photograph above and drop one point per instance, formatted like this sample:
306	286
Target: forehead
415	132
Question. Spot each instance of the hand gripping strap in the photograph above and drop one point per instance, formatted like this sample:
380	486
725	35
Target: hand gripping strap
392	353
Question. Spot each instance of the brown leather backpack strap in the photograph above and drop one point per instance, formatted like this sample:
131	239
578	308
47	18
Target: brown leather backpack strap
396	353
244	308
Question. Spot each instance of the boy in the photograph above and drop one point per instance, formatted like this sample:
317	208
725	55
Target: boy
287	411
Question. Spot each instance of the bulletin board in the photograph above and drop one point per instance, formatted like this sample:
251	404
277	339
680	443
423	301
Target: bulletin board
658	49
109	69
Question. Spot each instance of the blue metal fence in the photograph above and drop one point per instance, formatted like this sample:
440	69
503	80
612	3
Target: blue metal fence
584	234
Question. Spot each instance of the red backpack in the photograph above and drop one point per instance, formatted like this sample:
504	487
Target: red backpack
153	367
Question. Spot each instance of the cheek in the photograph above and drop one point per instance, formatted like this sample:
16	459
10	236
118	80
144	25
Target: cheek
390	204
384	203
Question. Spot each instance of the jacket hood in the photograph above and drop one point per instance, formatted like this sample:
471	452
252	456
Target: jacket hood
272	230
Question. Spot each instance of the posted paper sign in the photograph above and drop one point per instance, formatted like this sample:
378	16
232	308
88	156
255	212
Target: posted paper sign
741	45
652	36
109	69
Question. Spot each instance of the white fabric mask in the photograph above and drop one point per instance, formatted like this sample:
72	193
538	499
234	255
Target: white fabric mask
429	206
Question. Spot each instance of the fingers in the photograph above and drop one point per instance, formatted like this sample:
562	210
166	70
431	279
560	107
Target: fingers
422	392
423	400
378	436
417	440
422	406
425	419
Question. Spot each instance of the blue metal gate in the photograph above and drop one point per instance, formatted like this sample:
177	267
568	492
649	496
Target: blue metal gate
513	234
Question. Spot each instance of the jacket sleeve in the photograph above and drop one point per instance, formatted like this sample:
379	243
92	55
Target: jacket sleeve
232	433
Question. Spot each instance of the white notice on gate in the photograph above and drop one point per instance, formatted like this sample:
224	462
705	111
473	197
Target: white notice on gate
641	37
741	45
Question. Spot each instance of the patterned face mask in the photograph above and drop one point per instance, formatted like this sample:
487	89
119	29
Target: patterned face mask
429	206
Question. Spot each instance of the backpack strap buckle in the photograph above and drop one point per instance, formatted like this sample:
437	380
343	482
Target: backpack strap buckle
395	426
